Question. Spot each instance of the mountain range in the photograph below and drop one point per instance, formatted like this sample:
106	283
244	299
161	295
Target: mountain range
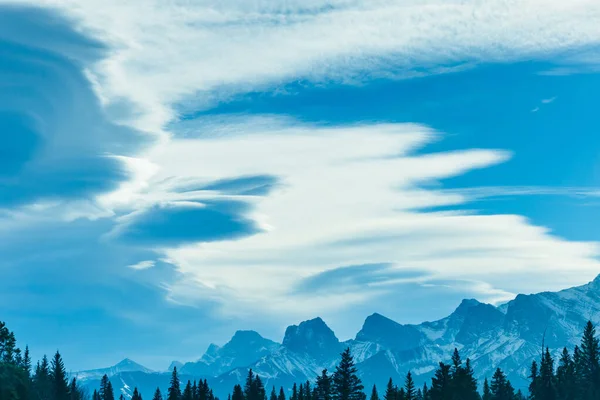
509	336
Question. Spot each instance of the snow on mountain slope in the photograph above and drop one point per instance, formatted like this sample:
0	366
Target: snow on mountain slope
244	348
125	365
509	337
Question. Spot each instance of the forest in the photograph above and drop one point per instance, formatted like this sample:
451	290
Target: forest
574	376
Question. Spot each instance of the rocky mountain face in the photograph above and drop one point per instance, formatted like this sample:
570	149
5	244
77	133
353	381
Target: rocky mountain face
509	337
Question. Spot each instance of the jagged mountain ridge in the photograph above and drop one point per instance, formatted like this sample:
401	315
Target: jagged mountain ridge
509	337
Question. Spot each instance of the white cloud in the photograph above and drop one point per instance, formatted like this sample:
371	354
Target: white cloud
482	192
351	196
199	52
548	101
142	265
348	195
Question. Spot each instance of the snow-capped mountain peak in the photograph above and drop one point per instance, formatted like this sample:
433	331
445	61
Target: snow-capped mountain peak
508	337
312	337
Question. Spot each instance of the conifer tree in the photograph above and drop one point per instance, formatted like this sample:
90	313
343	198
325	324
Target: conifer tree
346	383
60	383
95	396
136	395
195	393
174	392
281	394
501	387
18	358
238	393
301	392
400	394
533	384
157	394
463	382
8	344
249	387
425	391
106	390
27	361
307	391
273	394
188	393
110	394
441	384
294	392
409	387
590	362
259	389
487	392
374	394
546	386
390	391
42	381
73	390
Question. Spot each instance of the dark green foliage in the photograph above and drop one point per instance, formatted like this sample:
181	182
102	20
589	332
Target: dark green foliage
273	395
463	383
425	392
545	385
346	384
590	363
174	392
42	381
253	389
75	391
441	384
281	394
136	395
259	389
157	395
400	394
106	390
487	392
14	382
188	393
8	345
410	393
374	394
58	374
501	387
238	394
390	391
534	378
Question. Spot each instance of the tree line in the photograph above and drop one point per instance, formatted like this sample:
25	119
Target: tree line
576	376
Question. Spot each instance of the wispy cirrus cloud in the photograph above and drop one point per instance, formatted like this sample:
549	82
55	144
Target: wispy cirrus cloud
482	192
194	54
310	198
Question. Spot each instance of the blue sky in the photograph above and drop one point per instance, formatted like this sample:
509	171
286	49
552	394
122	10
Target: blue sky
168	177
